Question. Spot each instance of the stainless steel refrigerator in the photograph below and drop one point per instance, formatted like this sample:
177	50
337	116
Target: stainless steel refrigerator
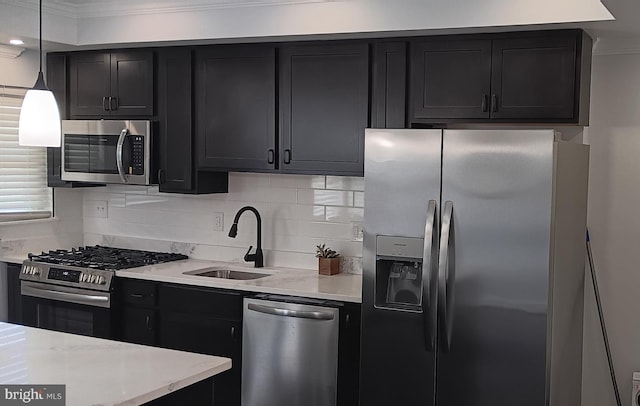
473	268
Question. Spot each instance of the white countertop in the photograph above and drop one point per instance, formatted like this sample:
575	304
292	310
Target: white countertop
283	281
96	371
13	258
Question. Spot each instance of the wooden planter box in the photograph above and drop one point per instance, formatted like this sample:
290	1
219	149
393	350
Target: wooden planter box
328	266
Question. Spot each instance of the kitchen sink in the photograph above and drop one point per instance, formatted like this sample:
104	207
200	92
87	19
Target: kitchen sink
222	273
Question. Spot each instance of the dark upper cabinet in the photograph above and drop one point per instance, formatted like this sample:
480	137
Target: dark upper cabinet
529	77
235	114
534	77
388	85
451	79
118	84
177	170
324	108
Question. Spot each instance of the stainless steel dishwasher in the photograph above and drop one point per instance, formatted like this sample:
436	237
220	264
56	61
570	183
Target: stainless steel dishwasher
289	352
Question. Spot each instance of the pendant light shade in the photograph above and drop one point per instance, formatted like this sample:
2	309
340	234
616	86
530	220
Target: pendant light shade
39	124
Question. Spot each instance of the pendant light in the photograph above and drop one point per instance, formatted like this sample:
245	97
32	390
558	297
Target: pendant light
39	124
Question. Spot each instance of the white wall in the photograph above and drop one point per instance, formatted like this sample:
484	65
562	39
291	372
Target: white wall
614	200
298	212
65	230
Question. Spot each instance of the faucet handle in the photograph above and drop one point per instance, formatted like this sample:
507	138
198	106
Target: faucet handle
248	256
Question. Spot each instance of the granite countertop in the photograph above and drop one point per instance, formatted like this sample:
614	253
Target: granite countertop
97	371
284	281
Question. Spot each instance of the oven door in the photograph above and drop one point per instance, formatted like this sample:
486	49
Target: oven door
70	310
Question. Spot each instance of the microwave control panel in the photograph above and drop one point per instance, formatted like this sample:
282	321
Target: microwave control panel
137	155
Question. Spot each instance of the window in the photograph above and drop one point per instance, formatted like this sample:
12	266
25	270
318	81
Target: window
23	170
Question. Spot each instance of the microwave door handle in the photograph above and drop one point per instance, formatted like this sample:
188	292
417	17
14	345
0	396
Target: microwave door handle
119	163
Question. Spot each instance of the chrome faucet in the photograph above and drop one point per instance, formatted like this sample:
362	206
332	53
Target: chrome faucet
257	256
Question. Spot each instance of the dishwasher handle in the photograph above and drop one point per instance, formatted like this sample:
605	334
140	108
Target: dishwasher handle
315	315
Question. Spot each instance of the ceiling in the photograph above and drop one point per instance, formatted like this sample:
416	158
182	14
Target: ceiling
619	35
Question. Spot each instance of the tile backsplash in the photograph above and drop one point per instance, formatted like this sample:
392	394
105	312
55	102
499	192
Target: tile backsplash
298	212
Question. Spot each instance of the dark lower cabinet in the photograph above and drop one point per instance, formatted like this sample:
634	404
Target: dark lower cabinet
206	321
349	355
209	321
324	107
137	304
14	299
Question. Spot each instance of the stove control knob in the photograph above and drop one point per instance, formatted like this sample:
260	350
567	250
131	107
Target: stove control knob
93	279
101	280
83	277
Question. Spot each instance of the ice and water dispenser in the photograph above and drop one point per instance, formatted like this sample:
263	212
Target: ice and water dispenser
399	273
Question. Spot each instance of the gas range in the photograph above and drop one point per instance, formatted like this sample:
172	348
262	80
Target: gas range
90	267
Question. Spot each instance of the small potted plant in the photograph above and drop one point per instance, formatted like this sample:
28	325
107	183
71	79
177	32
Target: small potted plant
328	260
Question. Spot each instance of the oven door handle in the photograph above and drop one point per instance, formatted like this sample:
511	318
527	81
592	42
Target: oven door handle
79	298
123	135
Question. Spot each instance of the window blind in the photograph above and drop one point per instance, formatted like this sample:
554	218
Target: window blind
23	170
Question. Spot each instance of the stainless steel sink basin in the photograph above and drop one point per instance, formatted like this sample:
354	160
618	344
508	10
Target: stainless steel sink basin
223	273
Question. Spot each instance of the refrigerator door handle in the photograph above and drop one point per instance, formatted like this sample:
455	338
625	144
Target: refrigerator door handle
446	277
429	275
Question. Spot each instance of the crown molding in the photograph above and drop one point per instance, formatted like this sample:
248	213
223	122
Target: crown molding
112	8
10	51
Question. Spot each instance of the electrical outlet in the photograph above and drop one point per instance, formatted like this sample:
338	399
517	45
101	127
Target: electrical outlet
357	231
97	208
218	222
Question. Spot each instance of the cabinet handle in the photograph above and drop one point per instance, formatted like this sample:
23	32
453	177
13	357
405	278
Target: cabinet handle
113	103
136	295
347	320
160	176
270	156
287	156
485	102
105	107
233	332
494	103
147	321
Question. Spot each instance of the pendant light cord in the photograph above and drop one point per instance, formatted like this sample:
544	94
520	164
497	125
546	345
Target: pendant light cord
40	36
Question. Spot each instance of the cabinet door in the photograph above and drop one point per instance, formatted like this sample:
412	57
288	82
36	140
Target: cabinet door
207	335
131	87
235	93
450	79
174	113
138	325
14	298
88	84
389	83
534	77
324	103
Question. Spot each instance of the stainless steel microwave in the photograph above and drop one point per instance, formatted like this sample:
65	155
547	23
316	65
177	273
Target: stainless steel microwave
107	151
